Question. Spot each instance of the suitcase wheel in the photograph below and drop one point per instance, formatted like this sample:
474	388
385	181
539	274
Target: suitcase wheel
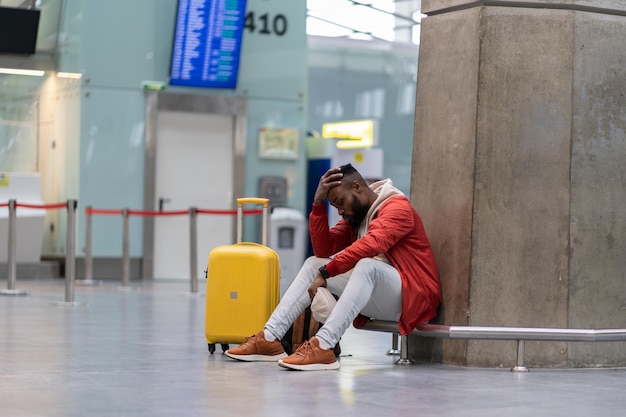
224	346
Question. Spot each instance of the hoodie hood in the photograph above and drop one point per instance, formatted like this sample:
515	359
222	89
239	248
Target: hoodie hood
385	190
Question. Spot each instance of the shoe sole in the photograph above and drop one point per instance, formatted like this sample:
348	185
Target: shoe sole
256	358
310	367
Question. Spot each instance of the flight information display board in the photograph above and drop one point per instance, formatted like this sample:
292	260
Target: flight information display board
207	43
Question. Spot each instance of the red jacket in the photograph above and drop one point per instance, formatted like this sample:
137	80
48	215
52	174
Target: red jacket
396	231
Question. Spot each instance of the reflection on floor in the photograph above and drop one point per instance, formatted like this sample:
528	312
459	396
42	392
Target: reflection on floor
142	352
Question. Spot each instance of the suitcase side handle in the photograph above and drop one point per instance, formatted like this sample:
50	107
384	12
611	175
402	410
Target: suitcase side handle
253	200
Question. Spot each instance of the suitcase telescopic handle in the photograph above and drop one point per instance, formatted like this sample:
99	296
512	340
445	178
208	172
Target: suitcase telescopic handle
252	200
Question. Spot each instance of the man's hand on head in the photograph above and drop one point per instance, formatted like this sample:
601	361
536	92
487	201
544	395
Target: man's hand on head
331	179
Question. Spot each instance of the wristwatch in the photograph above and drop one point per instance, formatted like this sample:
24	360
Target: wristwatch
323	272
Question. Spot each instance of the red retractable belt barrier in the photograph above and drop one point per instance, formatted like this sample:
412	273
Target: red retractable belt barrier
70	255
192	212
230	212
157	213
104	212
117	212
70	205
42	206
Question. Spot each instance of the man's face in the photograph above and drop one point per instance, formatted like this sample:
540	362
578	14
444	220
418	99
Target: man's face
348	202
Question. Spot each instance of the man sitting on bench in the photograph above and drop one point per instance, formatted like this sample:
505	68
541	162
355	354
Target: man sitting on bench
382	266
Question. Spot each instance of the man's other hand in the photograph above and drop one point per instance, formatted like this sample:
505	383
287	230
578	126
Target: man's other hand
317	282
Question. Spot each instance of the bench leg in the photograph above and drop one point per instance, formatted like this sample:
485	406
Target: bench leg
404	351
519	365
394	345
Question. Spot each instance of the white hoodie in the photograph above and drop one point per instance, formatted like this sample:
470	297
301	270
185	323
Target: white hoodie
384	189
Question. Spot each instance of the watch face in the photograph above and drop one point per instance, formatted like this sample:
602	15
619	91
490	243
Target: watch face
323	272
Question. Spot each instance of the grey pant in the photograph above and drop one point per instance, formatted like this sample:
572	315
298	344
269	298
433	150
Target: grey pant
372	287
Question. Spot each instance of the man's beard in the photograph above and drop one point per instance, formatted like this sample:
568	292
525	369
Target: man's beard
360	211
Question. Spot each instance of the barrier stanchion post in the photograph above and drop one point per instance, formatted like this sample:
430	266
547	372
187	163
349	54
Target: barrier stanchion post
11	254
11	261
70	251
125	249
70	256
88	280
88	258
193	248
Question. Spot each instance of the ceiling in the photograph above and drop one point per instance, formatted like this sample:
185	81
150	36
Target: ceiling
387	20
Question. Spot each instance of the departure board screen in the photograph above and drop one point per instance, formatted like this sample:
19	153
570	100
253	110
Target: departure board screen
207	43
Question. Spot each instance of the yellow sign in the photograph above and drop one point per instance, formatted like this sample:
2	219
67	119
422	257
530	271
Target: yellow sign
4	180
354	134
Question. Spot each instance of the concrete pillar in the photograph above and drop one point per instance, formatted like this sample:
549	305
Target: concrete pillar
519	172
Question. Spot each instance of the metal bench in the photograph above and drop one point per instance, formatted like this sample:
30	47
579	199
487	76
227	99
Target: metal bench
521	334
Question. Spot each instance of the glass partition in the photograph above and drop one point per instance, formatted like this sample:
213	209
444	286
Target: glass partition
19	123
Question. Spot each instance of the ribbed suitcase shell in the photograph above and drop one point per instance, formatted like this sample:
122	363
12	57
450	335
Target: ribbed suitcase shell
243	288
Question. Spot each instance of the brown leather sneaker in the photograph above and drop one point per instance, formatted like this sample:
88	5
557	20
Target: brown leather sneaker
310	357
257	349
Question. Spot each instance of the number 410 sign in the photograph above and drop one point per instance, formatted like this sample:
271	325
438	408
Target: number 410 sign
266	23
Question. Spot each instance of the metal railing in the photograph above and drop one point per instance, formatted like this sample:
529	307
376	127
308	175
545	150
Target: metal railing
521	334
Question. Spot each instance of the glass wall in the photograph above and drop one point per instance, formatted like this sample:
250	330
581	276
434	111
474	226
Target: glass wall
355	80
19	123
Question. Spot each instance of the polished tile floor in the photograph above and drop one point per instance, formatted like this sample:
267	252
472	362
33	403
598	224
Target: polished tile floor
142	352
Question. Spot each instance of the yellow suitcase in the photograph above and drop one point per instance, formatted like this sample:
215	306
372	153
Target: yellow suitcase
243	285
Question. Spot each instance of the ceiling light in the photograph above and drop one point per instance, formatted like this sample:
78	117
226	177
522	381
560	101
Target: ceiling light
14	71
74	75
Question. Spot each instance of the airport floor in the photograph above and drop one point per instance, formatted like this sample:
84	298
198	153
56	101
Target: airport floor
142	352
